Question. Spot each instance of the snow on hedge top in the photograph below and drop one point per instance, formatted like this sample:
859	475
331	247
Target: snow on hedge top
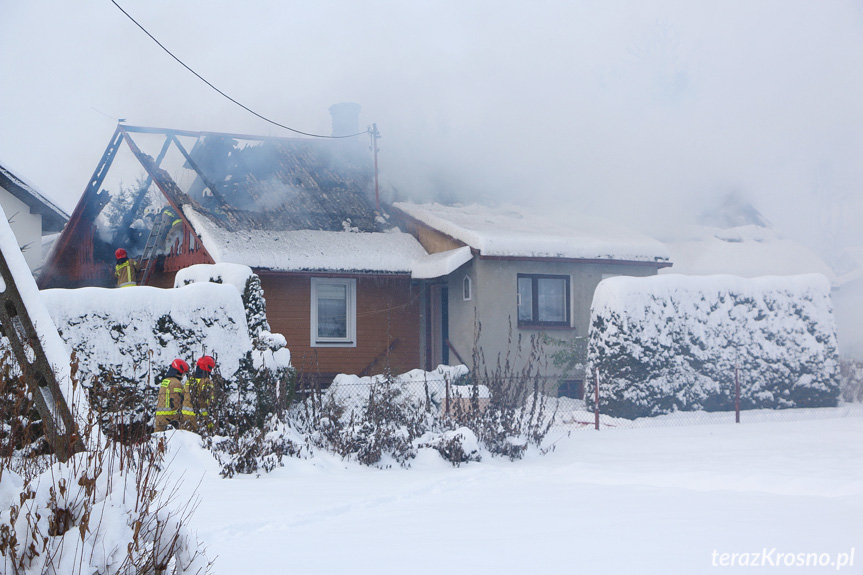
624	293
232	274
513	231
309	250
116	328
746	251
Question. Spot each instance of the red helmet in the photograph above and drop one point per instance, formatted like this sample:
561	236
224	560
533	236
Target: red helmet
207	363
180	365
120	253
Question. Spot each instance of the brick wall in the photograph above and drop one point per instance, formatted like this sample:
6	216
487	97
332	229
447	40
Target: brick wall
388	316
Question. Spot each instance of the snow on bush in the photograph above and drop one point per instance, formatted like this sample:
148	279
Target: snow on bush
416	387
672	342
265	380
380	420
376	420
239	276
109	510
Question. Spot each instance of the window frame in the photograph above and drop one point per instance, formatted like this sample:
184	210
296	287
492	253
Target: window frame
467	289
534	322
350	340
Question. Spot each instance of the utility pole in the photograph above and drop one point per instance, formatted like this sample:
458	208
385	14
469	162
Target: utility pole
374	134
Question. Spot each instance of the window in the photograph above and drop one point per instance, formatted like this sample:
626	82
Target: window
543	300
334	313
466	291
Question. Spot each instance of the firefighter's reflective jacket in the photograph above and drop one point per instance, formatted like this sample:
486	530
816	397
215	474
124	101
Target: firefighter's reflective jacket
169	408
173	227
125	271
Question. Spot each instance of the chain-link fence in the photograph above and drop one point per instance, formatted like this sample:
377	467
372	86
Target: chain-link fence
560	403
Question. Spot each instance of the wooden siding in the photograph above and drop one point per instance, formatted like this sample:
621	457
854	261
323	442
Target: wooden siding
429	238
388	318
434	241
162	279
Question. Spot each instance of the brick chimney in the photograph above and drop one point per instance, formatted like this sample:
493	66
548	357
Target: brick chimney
346	118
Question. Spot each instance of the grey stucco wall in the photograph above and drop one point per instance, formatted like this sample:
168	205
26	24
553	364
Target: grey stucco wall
494	305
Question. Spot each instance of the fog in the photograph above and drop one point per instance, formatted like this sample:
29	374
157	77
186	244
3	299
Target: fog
642	112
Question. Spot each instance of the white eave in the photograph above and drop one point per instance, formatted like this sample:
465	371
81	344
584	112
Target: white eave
441	264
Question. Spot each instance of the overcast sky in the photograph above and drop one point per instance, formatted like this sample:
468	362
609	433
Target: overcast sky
639	111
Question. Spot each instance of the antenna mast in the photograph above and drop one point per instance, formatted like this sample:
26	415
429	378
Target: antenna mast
374	136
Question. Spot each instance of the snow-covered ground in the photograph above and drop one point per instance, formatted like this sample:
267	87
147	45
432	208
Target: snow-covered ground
674	499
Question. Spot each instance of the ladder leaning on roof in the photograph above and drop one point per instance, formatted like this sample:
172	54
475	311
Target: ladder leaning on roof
157	236
61	430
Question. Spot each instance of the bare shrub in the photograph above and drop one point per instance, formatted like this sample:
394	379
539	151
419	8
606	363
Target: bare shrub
384	425
517	413
109	509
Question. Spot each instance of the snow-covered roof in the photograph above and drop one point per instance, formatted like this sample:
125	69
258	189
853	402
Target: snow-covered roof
746	251
513	231
53	218
312	250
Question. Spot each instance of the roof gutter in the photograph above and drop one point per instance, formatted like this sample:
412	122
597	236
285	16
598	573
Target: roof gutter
657	264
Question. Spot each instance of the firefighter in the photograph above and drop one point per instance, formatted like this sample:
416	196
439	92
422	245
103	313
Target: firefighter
126	269
173	230
169	408
198	392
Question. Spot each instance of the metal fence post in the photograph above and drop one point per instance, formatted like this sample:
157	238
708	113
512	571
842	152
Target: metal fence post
596	399
737	393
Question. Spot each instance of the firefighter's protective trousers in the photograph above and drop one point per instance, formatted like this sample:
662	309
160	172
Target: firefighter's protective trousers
169	408
198	392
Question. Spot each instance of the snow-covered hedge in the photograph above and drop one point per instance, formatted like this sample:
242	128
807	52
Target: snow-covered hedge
126	338
116	329
239	276
671	342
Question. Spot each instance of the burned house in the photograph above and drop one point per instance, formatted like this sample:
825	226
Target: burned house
301	213
354	287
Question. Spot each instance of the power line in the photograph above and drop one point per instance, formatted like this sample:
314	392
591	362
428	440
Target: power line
204	80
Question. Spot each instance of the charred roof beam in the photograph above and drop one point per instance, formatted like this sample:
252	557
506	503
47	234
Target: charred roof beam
121	235
211	185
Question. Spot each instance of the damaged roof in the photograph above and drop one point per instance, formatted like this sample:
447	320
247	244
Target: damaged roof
282	184
247	199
